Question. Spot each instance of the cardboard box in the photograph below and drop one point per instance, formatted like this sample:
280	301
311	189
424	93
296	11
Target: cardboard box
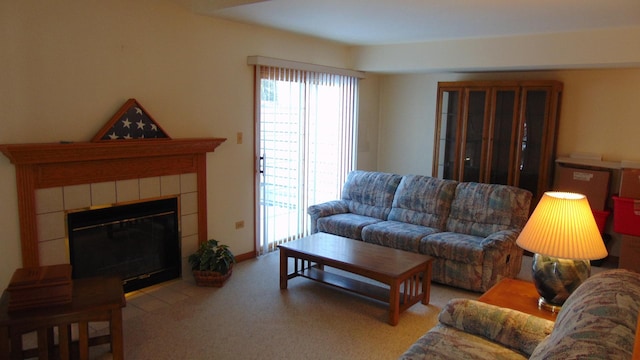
630	253
592	183
40	286
630	183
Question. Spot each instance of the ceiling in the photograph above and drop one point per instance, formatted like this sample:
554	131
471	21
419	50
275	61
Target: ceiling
380	22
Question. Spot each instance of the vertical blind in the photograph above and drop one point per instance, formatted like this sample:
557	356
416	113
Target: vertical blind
306	122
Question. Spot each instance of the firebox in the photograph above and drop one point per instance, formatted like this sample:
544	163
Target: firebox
139	242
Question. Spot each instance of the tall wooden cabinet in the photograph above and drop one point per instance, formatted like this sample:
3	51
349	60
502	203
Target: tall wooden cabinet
500	132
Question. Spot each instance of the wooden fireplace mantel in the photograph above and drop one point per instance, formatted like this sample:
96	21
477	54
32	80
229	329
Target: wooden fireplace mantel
115	149
64	164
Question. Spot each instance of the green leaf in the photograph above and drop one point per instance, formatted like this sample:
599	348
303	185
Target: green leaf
212	255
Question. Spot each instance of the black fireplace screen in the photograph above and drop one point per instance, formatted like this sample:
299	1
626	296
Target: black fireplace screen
138	242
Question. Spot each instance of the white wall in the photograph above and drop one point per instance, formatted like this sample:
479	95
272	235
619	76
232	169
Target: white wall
67	66
368	115
407	112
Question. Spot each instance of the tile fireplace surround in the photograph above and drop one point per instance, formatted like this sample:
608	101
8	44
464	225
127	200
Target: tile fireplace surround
55	178
53	203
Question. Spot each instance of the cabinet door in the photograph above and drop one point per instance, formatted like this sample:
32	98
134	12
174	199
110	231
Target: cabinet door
502	136
447	133
474	136
534	149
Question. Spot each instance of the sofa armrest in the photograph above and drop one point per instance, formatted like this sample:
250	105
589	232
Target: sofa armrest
501	240
326	209
511	328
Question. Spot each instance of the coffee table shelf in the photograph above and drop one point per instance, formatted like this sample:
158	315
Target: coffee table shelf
347	283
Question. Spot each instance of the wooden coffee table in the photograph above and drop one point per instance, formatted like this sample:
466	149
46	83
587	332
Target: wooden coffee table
400	270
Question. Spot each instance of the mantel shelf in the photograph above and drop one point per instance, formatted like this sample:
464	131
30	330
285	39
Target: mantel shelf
48	153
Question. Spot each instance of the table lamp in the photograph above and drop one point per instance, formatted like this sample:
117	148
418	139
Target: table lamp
563	235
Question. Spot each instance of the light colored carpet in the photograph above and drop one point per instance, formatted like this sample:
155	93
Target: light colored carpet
251	318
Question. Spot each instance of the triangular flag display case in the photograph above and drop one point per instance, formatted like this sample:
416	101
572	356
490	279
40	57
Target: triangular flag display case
131	122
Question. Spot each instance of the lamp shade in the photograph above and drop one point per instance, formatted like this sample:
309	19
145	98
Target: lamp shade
563	226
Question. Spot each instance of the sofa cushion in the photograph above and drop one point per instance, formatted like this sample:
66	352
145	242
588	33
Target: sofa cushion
511	328
598	320
347	225
370	193
328	208
481	209
462	248
397	235
447	343
423	200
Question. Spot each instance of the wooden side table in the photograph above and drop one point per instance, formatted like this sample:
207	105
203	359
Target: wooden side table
94	299
517	295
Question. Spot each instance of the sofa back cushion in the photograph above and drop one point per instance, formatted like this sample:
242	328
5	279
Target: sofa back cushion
423	200
483	209
598	320
370	193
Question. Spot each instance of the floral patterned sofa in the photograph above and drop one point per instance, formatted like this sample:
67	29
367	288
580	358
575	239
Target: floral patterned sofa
598	321
469	228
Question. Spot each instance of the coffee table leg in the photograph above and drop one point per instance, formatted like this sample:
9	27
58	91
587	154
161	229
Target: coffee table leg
394	303
283	269
426	284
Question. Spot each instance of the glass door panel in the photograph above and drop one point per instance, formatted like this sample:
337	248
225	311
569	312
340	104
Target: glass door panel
532	141
502	135
473	144
447	138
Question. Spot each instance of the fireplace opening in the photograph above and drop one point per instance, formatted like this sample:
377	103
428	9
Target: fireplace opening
138	242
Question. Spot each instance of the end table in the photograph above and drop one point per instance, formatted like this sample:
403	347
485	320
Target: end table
93	299
517	295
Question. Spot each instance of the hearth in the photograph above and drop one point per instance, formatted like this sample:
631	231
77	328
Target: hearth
139	242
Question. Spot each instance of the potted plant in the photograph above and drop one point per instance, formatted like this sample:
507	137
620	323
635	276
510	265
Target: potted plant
212	264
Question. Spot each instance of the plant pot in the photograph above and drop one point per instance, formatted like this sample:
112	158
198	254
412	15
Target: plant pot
211	278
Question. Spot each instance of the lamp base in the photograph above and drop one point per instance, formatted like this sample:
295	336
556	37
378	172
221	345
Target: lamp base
556	278
553	308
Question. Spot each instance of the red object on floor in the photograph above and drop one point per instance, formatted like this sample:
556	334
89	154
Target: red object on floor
601	218
626	216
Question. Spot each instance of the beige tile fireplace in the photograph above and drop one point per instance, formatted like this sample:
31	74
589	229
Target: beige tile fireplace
58	177
52	205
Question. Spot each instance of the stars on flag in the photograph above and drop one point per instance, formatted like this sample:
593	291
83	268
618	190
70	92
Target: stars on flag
124	128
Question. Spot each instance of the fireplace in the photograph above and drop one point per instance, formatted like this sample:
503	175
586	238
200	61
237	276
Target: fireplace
102	173
138	242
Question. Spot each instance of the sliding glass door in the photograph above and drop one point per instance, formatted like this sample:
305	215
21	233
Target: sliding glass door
305	139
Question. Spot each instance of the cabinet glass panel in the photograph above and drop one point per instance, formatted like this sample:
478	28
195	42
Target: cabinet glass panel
503	124
532	137
448	129
473	144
